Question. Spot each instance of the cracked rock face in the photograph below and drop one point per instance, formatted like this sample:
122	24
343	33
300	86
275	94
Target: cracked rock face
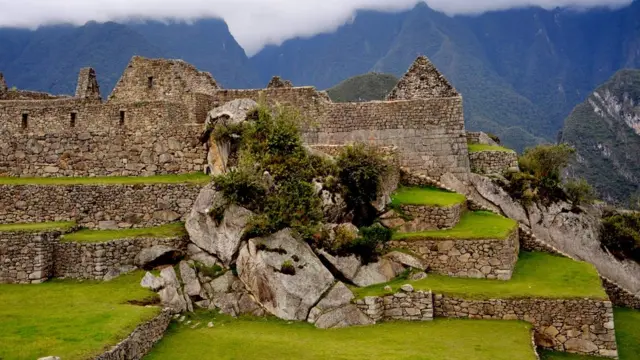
221	239
264	266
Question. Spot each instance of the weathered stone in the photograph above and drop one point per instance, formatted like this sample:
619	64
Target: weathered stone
345	316
115	272
580	346
338	296
286	295
151	282
347	266
196	254
407	288
166	215
407	260
192	286
220	239
379	272
157	255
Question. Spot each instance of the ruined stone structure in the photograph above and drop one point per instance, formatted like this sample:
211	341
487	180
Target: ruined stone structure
493	162
408	306
26	257
151	122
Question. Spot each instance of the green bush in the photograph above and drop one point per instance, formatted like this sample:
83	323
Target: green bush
620	234
288	268
370	242
579	192
361	169
231	132
242	187
494	138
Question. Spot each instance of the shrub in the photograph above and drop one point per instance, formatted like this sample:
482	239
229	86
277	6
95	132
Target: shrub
210	271
230	133
288	268
494	138
242	187
620	234
370	241
360	171
579	192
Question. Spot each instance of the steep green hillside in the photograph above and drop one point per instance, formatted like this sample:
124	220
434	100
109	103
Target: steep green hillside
367	87
605	131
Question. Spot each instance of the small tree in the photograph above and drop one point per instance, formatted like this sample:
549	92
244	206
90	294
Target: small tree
579	192
620	234
546	161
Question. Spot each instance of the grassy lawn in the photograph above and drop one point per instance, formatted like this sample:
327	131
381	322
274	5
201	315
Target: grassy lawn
472	225
36	227
485	147
425	196
274	339
536	275
73	320
196	178
627	335
94	236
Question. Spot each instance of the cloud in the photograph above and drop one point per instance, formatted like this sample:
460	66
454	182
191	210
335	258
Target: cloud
253	23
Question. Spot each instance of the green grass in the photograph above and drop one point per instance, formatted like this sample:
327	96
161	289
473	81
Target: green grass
274	339
472	225
537	275
94	236
425	196
73	320
196	178
627	323
485	147
35	227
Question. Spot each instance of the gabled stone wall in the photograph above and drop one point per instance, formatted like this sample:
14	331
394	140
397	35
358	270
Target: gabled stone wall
491	259
97	206
26	257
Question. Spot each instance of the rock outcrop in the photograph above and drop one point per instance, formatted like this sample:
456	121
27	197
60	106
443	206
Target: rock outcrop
382	271
283	274
148	258
218	237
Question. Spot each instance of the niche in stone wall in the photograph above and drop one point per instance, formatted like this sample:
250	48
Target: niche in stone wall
150	82
122	117
72	119
25	120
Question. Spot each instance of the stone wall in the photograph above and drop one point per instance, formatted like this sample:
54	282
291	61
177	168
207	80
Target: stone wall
491	259
140	341
95	260
408	306
431	217
620	296
582	326
26	257
93	206
83	138
492	162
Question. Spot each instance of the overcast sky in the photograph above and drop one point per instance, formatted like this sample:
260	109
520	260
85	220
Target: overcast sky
252	22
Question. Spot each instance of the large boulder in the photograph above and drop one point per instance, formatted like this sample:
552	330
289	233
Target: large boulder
408	260
381	271
346	266
229	114
388	186
157	255
338	296
171	294
221	238
189	277
346	316
196	254
498	197
283	274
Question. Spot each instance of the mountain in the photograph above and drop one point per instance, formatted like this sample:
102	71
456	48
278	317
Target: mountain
605	130
520	71
367	87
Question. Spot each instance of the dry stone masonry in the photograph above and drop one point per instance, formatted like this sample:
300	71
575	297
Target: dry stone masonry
404	305
97	206
491	259
26	257
582	326
493	162
431	217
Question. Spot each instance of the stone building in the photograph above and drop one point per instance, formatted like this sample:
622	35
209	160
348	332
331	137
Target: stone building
151	122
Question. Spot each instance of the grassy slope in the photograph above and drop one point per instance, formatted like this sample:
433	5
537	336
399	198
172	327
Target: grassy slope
93	236
275	339
198	178
425	196
536	275
484	147
73	320
472	225
35	227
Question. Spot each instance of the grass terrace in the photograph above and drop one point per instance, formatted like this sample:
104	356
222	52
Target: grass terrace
96	236
473	225
70	319
538	275
196	178
425	196
251	338
484	147
38	227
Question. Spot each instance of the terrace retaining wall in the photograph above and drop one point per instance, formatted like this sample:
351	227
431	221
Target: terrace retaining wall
492	162
412	306
583	326
431	217
26	257
95	260
140	341
98	206
491	259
